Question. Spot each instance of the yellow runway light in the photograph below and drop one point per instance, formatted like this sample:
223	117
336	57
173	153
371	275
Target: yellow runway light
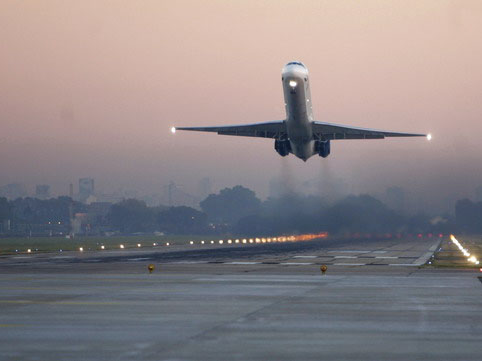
323	269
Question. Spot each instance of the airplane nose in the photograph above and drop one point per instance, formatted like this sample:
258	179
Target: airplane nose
295	69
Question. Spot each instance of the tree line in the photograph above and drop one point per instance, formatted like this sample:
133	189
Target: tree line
238	210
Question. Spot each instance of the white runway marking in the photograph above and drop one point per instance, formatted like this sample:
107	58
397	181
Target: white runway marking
386	257
242	262
345	257
404	264
379	252
349	251
138	259
305	256
295	263
349	264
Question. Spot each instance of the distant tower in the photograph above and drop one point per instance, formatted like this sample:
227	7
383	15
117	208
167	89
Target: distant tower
86	188
71	191
204	187
170	190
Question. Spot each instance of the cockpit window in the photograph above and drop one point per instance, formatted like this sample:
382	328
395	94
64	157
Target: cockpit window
295	63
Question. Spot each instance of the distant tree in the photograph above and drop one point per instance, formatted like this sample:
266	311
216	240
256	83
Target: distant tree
468	216
131	216
231	204
362	213
5	209
182	220
36	211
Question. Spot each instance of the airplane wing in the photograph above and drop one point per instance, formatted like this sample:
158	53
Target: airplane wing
322	130
273	129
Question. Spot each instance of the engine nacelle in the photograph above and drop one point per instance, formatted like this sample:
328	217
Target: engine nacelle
322	147
283	147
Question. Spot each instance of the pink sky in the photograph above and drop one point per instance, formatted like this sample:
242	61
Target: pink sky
90	88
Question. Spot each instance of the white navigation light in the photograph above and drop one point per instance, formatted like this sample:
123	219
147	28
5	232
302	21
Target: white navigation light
173	130
429	136
293	83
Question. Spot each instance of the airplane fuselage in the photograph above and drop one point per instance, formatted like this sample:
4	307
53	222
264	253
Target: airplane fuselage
299	133
299	112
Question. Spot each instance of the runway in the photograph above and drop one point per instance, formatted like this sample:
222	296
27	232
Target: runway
218	304
335	252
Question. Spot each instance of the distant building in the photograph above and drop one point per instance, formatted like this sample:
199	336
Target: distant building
86	189
13	191
42	191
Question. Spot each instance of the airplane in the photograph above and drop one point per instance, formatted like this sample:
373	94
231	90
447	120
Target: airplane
299	133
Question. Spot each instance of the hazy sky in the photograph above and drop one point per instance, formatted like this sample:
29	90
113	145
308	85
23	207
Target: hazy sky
90	88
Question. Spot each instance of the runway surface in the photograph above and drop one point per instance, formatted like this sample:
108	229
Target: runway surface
259	302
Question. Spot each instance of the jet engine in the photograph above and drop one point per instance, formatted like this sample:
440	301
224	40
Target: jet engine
322	147
282	146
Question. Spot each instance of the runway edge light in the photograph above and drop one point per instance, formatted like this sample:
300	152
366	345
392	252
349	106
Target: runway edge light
150	268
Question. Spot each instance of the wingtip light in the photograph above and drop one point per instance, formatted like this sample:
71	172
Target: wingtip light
173	130
429	136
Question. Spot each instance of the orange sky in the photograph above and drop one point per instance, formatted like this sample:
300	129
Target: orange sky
90	88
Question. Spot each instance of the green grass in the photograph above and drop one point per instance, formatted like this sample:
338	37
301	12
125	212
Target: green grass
54	244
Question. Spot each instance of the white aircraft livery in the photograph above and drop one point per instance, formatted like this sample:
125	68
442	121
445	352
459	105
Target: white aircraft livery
299	133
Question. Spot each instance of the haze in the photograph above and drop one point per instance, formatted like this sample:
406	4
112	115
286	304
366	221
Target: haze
91	88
